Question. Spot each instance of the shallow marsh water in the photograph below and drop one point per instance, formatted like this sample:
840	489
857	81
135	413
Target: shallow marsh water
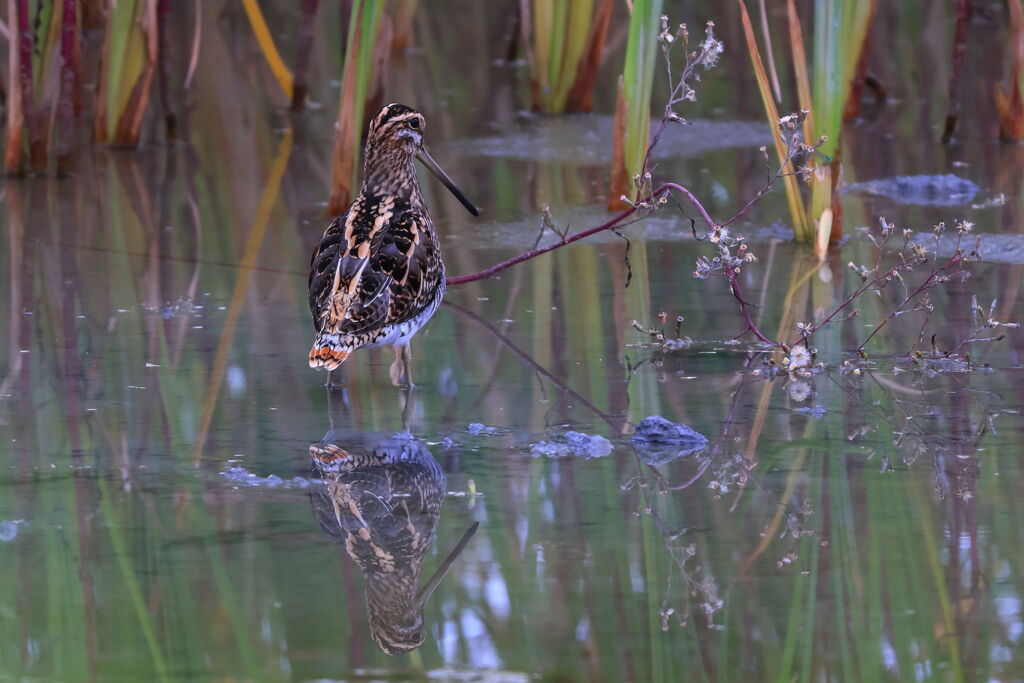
160	519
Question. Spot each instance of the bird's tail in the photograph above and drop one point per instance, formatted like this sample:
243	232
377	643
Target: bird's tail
328	352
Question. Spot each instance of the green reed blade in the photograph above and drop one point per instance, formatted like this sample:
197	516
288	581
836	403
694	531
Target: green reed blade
119	34
638	78
801	224
577	34
556	49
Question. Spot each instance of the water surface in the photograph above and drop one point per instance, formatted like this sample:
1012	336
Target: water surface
160	516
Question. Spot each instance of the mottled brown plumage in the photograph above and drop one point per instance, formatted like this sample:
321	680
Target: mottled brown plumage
377	275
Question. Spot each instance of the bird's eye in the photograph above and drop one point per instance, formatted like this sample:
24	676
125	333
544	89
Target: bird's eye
414	124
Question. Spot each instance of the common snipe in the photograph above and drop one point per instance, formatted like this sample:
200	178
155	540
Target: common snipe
377	276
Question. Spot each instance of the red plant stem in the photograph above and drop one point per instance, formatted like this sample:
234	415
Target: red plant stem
730	272
608	225
540	369
957	256
954	259
734	285
66	100
850	299
686	484
526	256
963	15
756	198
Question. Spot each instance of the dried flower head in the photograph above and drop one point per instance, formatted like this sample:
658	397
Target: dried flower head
711	49
665	36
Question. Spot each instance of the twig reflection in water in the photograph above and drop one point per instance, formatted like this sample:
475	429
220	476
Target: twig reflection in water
381	498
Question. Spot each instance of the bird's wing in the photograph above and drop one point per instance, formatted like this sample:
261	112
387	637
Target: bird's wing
378	264
408	252
322	267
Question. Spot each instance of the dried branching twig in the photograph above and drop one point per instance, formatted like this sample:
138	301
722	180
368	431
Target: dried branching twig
732	252
648	199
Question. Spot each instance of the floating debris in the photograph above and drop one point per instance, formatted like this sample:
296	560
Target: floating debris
243	477
998	200
922	190
477	428
817	412
943	366
549	449
657	440
173	309
993	248
588	445
657	430
575	444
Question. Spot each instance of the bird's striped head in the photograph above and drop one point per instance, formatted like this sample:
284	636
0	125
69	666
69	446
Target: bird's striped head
396	129
394	138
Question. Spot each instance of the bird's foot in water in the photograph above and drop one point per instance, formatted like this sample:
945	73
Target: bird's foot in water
401	369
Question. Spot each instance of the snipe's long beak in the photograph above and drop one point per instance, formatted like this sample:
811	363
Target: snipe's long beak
424	593
429	162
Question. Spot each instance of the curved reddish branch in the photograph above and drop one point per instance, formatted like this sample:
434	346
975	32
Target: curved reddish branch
654	196
608	225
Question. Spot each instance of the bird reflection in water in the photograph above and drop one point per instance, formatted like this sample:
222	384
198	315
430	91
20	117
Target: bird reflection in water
380	498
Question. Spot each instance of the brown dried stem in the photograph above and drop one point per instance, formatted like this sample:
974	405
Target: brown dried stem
163	15
15	110
37	149
963	16
66	100
307	26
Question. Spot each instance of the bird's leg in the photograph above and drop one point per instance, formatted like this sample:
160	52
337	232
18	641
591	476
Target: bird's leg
337	405
407	362
396	367
401	369
335	377
407	410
